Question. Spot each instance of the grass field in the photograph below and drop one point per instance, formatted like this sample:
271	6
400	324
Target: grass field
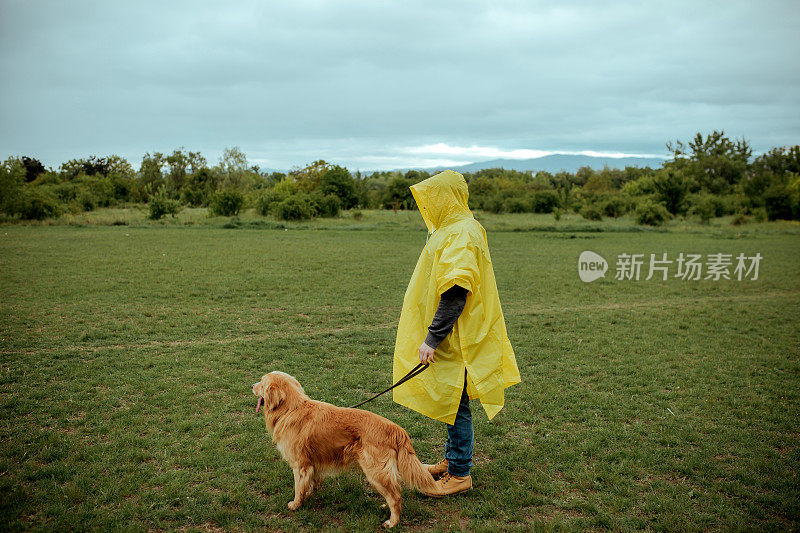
128	353
135	215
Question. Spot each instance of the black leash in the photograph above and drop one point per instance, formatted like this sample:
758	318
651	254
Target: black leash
416	371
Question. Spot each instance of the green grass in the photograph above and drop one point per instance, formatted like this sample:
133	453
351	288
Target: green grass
135	215
128	353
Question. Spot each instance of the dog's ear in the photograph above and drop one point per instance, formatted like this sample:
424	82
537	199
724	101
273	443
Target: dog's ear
275	396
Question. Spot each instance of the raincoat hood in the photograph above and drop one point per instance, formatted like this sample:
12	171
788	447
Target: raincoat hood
477	350
442	199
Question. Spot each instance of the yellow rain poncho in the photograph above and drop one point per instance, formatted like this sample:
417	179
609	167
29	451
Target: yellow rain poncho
456	254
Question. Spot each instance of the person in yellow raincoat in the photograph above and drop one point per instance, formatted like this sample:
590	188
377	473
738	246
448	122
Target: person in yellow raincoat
453	286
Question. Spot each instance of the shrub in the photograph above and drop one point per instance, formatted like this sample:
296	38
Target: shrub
122	187
544	201
397	194
65	192
705	211
639	187
651	214
227	202
87	201
614	207
706	206
160	205
739	219
671	188
296	207
760	214
12	178
494	204
199	187
269	198
338	182
780	203
357	215
193	197
515	205
327	205
557	214
36	204
482	186
733	203
100	189
48	178
591	212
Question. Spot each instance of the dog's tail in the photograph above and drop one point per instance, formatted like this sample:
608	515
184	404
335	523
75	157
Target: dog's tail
412	471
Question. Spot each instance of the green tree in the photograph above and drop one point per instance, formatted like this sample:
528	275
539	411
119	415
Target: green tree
397	194
671	189
119	166
73	168
564	183
583	175
181	165
544	201
651	213
38	204
12	178
309	178
273	178
714	163
33	168
337	180
482	186
298	206
227	202
598	182
200	187
151	177
161	204
234	171
772	168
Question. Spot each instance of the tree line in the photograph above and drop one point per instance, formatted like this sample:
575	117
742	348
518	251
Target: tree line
708	176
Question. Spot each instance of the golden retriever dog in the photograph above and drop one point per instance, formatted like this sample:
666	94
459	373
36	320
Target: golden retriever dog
318	439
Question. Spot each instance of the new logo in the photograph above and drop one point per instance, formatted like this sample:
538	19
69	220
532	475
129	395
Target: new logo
591	266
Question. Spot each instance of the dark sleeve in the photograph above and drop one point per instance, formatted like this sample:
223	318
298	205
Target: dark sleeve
450	307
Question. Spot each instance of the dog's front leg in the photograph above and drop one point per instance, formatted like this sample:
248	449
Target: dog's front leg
303	485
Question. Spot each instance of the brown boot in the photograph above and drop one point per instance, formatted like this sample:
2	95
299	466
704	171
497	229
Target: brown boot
450	484
438	469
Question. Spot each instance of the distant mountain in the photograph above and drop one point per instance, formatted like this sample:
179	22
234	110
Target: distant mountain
551	163
558	162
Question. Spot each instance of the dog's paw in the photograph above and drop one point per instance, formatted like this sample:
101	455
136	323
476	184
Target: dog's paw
292	505
388	524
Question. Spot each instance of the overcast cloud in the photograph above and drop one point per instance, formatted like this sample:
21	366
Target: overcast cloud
371	84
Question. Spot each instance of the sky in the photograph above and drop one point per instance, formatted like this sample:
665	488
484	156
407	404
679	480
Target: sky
377	85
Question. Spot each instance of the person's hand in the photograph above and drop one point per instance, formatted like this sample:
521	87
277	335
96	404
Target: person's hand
426	353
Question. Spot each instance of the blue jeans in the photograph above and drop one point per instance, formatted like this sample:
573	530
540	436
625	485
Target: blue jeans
460	440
